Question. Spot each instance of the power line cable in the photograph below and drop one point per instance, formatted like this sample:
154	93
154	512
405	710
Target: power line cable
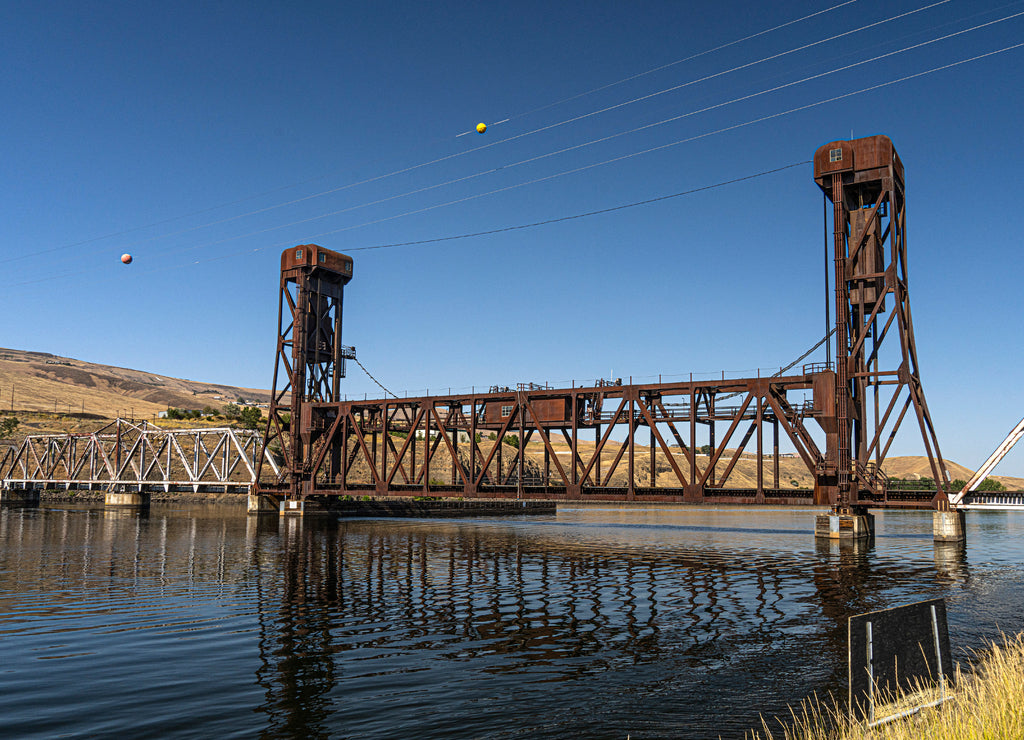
722	73
36	253
564	150
733	127
655	124
670	64
586	214
510	139
686	140
480	233
531	133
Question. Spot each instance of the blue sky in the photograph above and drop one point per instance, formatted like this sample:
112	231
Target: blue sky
205	138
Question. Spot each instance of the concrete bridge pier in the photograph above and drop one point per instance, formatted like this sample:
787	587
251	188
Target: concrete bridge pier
292	507
126	499
262	503
269	503
845	524
949	526
305	506
23	497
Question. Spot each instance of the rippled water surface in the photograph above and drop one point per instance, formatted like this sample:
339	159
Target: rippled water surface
595	622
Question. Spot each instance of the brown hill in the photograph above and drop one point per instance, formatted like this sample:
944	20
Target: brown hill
37	381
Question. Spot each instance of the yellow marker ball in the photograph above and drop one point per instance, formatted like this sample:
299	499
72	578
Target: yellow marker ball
481	127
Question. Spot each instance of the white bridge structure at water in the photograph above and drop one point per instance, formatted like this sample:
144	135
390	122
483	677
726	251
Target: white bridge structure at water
970	498
138	457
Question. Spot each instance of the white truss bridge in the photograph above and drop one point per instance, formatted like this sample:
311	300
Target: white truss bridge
136	456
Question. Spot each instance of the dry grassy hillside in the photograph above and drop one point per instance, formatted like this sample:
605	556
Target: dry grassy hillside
917	467
36	381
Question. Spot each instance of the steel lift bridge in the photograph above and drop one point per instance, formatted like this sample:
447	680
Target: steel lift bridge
685	442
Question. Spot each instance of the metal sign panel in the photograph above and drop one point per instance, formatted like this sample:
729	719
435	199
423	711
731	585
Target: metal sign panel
894	650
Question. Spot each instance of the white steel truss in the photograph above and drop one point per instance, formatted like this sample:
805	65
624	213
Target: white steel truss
127	455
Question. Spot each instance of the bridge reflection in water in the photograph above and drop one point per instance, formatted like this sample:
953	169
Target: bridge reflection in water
562	627
683	623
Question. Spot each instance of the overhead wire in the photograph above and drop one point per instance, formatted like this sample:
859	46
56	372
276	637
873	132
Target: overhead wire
677	142
670	64
722	73
532	132
662	122
516	227
539	130
696	137
586	214
161	222
591	142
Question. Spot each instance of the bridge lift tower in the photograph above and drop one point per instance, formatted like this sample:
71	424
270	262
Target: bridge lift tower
309	366
876	383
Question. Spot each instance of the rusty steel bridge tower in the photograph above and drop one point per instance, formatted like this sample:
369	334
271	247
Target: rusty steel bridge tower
310	363
877	382
700	434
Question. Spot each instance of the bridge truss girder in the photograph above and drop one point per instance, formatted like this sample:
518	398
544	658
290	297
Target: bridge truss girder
139	456
645	444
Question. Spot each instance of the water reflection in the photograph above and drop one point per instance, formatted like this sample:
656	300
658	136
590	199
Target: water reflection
951	562
593	623
506	601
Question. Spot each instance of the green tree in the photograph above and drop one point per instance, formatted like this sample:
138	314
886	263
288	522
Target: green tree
250	417
232	411
912	484
512	440
989	485
8	426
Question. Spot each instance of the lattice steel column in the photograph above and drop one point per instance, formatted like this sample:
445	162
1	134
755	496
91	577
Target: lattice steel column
864	179
310	363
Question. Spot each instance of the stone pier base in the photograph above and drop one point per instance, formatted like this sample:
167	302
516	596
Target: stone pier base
948	526
853	526
262	503
126	499
310	506
292	507
19	497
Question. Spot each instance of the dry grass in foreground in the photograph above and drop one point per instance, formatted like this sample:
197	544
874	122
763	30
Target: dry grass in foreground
988	702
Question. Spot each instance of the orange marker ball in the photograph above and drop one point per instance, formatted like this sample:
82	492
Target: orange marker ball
126	258
481	127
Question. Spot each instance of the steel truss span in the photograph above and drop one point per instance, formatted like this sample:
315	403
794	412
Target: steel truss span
692	442
134	456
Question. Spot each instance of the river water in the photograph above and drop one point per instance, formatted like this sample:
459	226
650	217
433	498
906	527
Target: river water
674	622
